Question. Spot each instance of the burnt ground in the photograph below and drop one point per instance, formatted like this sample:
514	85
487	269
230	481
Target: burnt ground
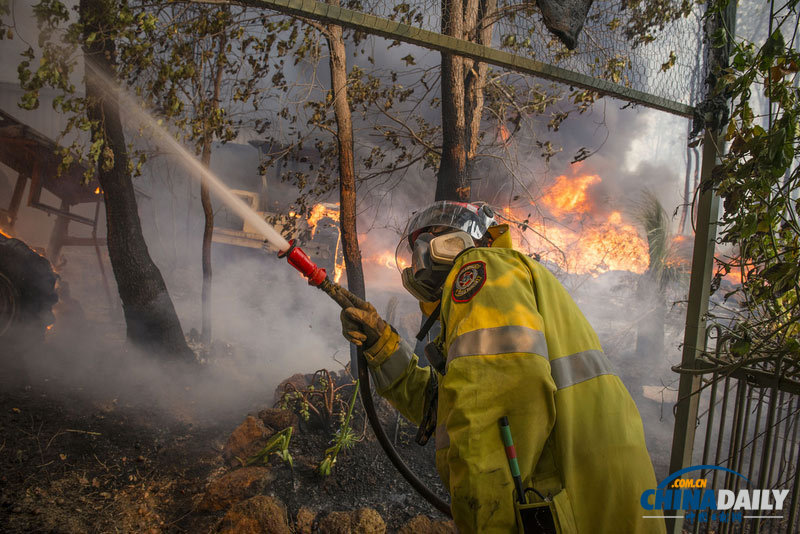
74	460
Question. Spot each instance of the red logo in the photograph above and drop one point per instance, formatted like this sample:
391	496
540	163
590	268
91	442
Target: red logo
469	281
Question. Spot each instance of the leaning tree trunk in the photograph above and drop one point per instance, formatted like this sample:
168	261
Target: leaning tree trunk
347	173
149	312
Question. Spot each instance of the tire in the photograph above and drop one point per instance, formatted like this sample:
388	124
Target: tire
27	293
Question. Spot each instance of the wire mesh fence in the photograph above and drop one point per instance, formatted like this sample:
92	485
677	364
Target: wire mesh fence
653	47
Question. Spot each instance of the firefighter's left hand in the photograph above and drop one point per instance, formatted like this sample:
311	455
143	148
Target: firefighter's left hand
361	323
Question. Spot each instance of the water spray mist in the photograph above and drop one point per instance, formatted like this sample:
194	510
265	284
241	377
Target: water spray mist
298	259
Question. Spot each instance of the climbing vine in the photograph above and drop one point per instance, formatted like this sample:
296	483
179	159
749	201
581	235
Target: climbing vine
758	181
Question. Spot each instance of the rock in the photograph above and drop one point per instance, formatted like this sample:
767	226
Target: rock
423	525
367	521
363	521
279	419
235	486
305	520
256	515
248	438
336	523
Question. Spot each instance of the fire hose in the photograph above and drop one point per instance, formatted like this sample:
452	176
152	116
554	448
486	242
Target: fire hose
317	277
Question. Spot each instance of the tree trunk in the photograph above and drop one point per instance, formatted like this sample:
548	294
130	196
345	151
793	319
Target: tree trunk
347	173
476	76
205	198
149	312
451	182
463	81
208	233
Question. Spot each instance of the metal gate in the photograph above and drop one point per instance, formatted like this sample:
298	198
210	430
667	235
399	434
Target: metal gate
748	422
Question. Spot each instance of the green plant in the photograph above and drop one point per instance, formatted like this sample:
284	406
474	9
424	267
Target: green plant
277	445
321	398
344	438
759	182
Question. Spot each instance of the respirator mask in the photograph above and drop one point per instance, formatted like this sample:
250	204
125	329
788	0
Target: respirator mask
431	260
434	236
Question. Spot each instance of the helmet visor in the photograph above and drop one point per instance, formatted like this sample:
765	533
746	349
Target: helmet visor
439	217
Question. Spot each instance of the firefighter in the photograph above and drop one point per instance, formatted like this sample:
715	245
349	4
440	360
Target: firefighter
512	343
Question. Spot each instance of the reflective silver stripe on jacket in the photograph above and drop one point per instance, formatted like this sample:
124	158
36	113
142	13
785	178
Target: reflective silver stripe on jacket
394	367
441	437
498	340
579	367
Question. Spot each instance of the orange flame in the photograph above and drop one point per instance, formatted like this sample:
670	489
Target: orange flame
503	135
735	276
603	243
97	191
319	212
568	195
387	259
5	234
338	266
600	247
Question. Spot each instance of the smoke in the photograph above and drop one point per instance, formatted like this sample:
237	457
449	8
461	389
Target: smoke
269	324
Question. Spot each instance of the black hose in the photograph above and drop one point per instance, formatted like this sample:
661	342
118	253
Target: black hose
388	448
334	291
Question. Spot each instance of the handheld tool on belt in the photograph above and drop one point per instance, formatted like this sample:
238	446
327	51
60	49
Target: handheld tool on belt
532	518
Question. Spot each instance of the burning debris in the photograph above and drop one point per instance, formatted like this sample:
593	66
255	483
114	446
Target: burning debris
572	232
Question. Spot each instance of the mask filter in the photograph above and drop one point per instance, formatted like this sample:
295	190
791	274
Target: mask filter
445	248
431	261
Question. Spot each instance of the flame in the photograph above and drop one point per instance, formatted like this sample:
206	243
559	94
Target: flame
49	327
603	246
602	242
568	195
97	191
4	233
503	135
319	212
387	259
734	277
338	266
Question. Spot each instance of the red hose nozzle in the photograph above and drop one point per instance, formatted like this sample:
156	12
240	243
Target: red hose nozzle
300	261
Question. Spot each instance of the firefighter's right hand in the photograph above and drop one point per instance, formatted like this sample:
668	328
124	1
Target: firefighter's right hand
361	323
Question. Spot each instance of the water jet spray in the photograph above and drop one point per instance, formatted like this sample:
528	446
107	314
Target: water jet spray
298	259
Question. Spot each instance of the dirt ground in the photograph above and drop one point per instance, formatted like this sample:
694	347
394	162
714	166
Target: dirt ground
75	460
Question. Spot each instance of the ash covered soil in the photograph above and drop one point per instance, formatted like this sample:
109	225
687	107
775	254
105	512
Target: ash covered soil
77	458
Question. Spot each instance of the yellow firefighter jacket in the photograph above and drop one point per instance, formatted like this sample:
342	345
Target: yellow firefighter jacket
517	345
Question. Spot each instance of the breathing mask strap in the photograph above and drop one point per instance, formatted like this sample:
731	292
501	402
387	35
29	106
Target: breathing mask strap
429	322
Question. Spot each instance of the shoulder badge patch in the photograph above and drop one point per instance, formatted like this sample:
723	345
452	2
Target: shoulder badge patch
469	281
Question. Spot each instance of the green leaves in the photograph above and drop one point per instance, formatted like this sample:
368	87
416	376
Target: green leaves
277	445
344	438
759	225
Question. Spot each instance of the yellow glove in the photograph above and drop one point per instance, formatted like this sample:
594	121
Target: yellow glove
361	323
